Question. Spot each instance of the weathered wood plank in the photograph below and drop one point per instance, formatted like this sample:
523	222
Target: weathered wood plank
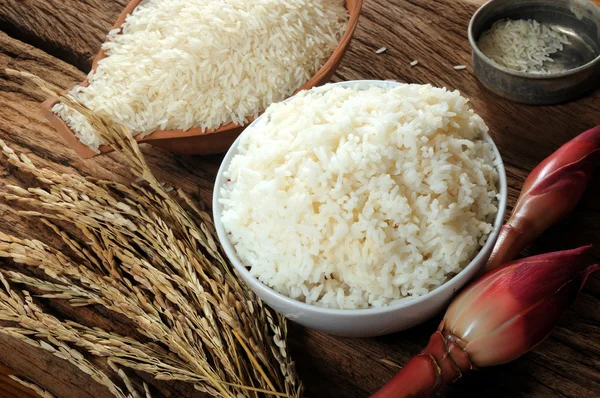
71	30
38	366
12	389
433	32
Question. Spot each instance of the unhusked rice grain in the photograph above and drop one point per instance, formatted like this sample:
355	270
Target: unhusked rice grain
351	198
180	64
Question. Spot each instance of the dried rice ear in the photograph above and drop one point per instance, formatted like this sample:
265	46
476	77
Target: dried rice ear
194	321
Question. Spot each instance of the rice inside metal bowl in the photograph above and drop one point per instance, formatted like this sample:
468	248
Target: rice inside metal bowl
573	70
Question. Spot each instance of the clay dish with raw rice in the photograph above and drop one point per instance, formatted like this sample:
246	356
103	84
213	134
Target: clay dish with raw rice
167	113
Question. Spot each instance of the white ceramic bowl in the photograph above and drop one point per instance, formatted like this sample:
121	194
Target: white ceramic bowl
363	322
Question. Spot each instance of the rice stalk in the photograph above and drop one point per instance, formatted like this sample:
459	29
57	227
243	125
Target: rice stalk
150	254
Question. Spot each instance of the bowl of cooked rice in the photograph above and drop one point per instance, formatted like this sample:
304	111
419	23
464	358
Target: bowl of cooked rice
189	75
537	52
360	208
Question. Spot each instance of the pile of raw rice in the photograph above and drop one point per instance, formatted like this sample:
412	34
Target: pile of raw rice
180	64
523	45
349	198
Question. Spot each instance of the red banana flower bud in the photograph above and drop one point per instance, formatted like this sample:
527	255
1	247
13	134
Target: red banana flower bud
550	192
496	319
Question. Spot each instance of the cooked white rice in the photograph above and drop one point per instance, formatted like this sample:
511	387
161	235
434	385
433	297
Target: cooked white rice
523	45
202	63
350	199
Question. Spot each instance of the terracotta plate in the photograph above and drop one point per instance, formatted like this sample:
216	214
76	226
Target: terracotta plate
194	141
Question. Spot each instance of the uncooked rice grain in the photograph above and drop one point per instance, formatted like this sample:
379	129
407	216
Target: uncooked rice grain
180	64
350	198
523	45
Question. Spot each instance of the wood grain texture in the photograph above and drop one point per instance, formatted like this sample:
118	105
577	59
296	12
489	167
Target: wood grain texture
12	389
71	30
432	32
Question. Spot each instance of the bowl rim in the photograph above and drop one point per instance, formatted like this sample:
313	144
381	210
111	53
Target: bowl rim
532	76
85	152
400	304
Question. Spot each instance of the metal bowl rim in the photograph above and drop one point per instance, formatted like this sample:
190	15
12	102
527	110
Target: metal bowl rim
490	62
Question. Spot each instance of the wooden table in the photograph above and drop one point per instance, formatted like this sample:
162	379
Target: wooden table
56	39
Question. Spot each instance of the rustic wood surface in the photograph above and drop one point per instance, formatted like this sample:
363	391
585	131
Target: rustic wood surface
10	388
56	39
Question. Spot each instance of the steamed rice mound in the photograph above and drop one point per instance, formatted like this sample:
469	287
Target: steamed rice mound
349	198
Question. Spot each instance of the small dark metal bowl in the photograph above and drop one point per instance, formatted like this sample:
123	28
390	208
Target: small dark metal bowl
579	62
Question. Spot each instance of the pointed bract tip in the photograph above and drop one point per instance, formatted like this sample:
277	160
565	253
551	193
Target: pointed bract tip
593	133
579	251
586	274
